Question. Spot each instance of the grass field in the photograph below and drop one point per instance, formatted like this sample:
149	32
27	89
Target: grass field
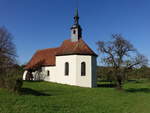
45	97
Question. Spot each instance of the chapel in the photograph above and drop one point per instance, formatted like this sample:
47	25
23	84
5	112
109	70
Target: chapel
72	63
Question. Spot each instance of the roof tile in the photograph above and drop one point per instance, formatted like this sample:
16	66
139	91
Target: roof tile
47	57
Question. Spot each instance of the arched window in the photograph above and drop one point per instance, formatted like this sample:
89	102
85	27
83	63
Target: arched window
83	69
66	68
74	31
48	73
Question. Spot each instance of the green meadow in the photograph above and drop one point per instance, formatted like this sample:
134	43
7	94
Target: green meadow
45	97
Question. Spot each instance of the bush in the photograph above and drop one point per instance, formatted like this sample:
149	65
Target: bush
105	73
13	84
2	81
12	79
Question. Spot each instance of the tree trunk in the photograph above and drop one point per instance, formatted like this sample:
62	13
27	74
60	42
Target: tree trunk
119	80
119	84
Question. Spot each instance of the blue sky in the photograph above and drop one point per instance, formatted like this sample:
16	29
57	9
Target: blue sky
39	24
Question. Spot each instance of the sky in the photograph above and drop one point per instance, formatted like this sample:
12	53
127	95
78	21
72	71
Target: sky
39	24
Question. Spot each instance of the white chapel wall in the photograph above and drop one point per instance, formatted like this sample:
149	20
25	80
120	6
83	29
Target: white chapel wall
60	69
52	73
24	75
84	81
57	73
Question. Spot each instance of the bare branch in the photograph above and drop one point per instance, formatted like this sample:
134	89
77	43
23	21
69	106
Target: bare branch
119	54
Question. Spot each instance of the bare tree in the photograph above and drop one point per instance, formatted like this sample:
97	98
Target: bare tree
7	50
37	70
121	55
9	70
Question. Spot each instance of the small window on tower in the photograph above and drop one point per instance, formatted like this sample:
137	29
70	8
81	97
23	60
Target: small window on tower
74	31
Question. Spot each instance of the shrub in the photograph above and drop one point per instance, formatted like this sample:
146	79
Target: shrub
13	84
12	79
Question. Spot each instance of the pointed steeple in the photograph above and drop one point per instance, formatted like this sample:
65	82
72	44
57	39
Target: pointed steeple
76	12
76	17
76	31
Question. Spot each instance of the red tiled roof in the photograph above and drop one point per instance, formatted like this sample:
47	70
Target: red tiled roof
78	47
46	57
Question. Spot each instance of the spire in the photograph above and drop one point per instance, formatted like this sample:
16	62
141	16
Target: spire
76	30
76	17
76	12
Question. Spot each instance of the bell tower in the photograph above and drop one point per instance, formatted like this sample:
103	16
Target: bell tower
76	30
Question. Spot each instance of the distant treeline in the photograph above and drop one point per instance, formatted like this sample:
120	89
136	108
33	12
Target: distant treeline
106	73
